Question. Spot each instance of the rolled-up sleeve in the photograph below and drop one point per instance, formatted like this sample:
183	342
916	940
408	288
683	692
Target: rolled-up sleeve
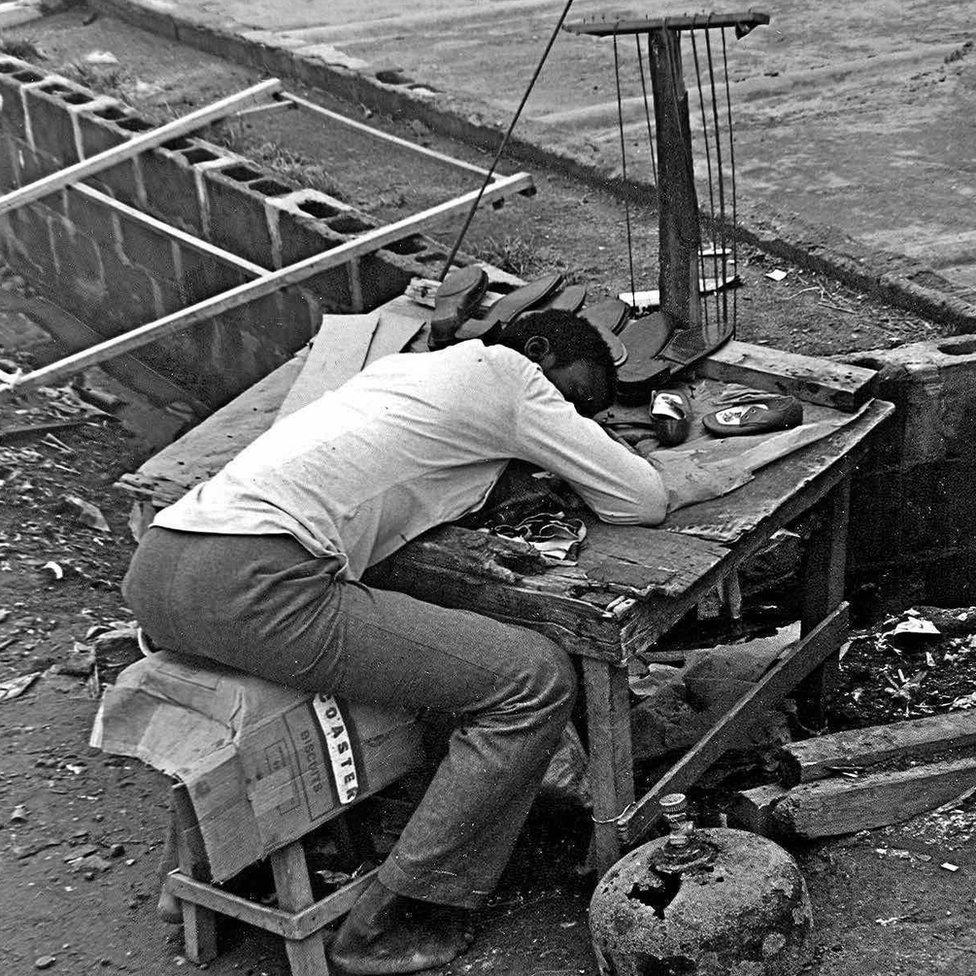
619	486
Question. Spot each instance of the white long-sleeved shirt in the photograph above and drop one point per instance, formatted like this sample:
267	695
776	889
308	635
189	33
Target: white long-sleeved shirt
411	442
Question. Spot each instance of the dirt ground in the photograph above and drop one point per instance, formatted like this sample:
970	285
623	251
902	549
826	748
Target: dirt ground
80	831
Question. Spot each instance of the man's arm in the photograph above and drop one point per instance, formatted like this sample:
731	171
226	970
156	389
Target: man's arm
617	484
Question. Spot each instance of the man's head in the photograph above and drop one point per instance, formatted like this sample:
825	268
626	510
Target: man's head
572	355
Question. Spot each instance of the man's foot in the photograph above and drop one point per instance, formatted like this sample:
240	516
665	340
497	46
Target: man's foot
388	933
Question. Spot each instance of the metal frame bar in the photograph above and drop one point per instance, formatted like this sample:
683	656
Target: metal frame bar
267	284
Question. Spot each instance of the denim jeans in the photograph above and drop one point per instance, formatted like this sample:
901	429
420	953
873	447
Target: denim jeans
264	605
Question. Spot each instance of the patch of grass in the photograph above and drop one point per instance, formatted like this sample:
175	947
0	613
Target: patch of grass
293	166
23	48
101	80
524	258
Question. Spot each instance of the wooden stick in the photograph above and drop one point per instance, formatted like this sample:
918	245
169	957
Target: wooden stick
137	144
304	103
252	290
168	230
768	691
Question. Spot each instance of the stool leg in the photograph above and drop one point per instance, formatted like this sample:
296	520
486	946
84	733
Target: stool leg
199	923
294	889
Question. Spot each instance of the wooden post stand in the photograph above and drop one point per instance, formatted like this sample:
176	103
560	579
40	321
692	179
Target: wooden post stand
298	918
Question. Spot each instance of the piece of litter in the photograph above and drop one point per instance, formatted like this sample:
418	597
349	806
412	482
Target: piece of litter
15	687
18	814
967	701
777	274
44	962
917	626
55	569
101	57
86	513
949	866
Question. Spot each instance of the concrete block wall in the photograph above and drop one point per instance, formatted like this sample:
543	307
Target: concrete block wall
913	506
114	273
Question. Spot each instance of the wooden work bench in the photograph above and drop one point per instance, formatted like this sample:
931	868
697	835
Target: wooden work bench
631	585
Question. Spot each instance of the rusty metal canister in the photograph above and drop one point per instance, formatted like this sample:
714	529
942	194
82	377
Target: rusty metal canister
709	902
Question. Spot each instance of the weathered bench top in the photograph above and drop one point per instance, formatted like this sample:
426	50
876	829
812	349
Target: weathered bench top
631	584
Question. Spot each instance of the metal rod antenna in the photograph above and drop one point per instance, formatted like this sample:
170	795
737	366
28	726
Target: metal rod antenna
647	110
623	173
504	142
721	176
735	216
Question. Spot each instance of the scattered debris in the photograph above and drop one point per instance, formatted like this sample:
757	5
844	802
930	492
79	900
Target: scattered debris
86	513
44	962
19	814
100	58
949	866
15	687
777	274
55	569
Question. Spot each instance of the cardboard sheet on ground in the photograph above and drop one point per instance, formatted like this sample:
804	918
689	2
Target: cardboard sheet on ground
255	756
707	467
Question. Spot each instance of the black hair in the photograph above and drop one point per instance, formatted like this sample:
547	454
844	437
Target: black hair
570	339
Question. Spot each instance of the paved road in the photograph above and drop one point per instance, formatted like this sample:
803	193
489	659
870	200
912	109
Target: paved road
854	115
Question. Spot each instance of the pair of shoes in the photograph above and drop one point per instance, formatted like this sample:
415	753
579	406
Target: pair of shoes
457	298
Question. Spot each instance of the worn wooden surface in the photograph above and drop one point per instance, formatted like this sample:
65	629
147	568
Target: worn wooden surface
829	807
293	886
199	922
819	758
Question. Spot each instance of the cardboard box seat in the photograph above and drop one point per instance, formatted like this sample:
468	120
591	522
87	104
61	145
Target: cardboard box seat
263	764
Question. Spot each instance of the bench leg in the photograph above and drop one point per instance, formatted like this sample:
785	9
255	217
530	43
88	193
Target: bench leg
611	755
824	580
294	890
199	924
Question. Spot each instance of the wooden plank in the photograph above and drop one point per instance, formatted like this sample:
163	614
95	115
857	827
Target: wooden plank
160	227
250	291
643	561
813	759
436	569
809	378
607	27
392	335
679	228
829	807
373	133
611	756
199	922
784	676
139	143
306	957
338	353
204	450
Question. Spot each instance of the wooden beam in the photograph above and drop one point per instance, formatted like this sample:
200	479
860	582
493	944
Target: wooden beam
249	268
304	103
137	144
266	285
819	758
815	380
782	678
744	20
830	807
680	231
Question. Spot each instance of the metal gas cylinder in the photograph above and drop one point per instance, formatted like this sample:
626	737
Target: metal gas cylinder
711	902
